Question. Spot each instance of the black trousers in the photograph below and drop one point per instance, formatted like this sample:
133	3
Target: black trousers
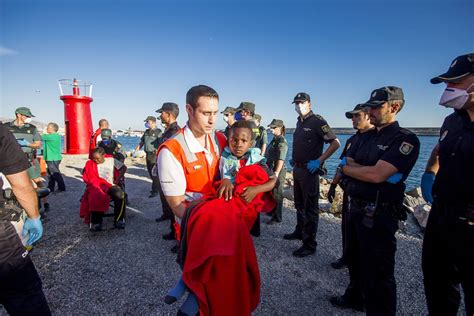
118	197
150	163
344	257
55	176
278	195
448	260
21	290
166	208
371	248
306	193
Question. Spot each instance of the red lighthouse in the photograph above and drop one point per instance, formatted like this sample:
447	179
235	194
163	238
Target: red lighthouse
77	115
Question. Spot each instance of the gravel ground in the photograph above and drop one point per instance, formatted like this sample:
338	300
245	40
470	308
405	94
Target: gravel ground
129	271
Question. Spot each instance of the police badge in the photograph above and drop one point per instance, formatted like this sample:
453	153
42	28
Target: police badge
406	148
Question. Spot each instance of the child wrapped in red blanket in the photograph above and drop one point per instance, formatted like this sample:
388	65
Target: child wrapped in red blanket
217	254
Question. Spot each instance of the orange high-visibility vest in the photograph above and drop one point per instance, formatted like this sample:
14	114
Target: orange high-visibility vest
197	170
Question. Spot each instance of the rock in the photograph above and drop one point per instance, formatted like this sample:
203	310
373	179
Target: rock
413	198
421	213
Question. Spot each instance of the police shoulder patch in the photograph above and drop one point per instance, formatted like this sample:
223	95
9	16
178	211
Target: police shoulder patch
325	128
319	117
406	148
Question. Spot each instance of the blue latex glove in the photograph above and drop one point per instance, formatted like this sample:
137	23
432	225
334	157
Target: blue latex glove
427	181
394	178
343	162
23	143
34	228
313	165
292	163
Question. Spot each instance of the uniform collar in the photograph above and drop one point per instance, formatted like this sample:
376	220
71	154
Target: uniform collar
310	113
193	144
393	127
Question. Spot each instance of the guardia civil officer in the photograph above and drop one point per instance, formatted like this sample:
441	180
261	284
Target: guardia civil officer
276	155
20	285
228	117
448	246
311	132
262	140
169	112
376	169
150	141
361	122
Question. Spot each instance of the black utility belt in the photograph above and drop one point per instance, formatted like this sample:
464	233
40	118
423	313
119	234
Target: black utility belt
371	208
301	164
10	212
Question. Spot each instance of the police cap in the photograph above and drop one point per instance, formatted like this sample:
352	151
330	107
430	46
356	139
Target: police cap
150	118
358	108
169	107
106	133
384	94
461	67
229	110
24	111
301	97
276	123
247	106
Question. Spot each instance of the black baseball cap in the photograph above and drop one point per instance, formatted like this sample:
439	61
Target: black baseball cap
150	118
357	109
384	94
169	107
301	96
461	67
276	123
247	106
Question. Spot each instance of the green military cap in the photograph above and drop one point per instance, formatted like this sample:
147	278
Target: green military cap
24	111
247	106
276	123
258	117
358	108
150	118
228	110
106	133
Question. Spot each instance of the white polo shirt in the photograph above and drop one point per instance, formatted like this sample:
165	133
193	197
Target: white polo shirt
171	172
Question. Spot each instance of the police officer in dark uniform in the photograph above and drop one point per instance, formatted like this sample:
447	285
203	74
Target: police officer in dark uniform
361	122
150	142
376	169
228	116
311	132
276	155
20	286
448	246
169	112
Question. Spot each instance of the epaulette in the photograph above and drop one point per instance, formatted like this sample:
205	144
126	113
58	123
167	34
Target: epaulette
319	117
406	131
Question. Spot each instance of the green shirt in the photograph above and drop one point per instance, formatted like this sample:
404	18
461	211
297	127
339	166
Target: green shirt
51	147
150	139
277	150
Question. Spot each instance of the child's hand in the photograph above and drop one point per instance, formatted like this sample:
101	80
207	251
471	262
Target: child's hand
249	194
225	189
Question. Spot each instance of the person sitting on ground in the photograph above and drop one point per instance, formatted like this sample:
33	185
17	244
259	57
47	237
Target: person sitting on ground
245	179
52	156
114	149
98	175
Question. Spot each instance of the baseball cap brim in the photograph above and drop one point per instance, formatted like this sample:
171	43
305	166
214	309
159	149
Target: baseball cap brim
350	113
374	104
449	77
298	100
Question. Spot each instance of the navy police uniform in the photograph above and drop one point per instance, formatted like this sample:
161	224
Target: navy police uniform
374	210
308	141
20	286
448	246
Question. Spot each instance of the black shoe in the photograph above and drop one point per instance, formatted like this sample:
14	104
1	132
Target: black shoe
293	236
339	264
170	299
273	221
119	224
153	194
169	236
96	227
162	218
303	251
342	302
46	207
174	249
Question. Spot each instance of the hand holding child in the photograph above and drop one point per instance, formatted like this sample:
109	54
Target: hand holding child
225	189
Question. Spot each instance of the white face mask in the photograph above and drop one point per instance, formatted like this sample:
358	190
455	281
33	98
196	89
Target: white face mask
301	109
226	119
27	120
454	98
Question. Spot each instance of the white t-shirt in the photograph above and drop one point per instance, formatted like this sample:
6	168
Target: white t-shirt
171	172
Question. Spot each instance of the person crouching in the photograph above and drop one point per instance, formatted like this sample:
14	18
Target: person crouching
100	189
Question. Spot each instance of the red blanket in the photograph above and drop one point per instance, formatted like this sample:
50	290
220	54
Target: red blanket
220	265
95	197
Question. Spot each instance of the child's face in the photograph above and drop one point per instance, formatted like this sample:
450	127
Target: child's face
240	140
49	129
98	158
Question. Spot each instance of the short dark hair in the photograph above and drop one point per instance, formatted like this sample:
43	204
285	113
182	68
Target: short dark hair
243	124
101	121
99	150
54	126
196	92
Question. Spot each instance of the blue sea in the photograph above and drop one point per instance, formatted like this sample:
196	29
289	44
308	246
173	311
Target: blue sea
427	144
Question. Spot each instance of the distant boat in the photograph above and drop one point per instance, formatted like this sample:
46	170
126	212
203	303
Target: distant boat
119	132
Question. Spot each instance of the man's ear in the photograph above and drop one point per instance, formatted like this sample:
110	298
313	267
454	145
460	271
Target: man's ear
189	109
395	108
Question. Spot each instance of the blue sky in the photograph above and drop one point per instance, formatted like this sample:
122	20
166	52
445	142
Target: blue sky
139	54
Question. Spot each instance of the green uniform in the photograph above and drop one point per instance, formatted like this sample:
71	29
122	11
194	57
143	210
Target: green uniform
29	133
276	151
151	141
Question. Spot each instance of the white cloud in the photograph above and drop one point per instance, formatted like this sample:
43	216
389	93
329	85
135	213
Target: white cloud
7	51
